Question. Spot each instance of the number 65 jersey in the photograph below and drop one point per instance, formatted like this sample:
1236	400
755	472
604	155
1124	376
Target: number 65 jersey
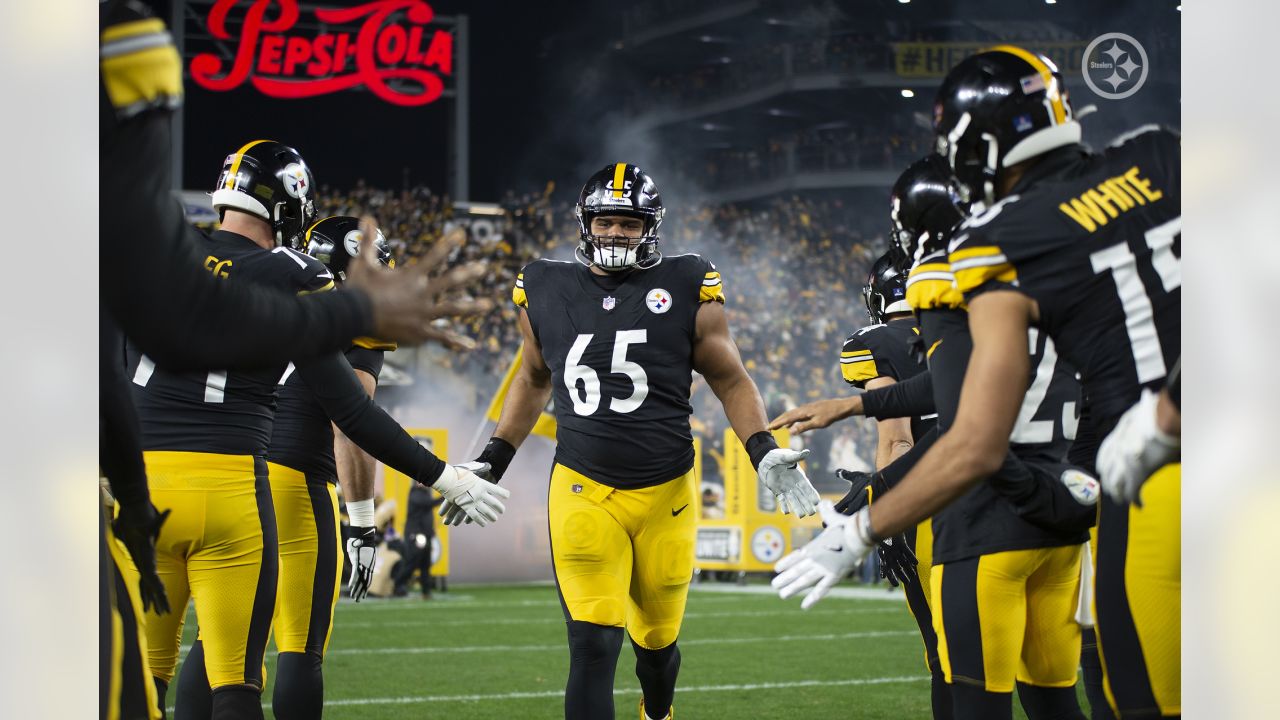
1095	240
620	350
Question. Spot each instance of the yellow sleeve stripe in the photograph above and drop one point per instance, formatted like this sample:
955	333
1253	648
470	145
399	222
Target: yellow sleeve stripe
859	372
928	293
141	72
854	353
518	297
711	283
974	277
327	287
973	252
372	344
713	293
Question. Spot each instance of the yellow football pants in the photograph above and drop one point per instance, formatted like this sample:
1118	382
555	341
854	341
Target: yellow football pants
623	557
918	596
218	547
1139	599
1009	617
310	560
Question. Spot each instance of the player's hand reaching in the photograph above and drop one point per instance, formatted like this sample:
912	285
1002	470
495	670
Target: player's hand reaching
1134	450
818	566
897	562
477	499
137	525
864	487
818	414
449	510
780	472
362	549
413	305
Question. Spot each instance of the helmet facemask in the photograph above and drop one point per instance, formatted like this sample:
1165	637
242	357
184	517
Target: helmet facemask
617	252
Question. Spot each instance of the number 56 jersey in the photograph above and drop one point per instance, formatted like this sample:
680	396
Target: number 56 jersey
1095	240
620	350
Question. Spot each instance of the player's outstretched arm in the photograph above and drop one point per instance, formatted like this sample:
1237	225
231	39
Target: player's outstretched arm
356	470
526	397
716	357
818	414
335	386
976	444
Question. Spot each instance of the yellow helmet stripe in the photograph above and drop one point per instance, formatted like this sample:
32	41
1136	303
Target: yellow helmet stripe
1050	83
235	164
619	173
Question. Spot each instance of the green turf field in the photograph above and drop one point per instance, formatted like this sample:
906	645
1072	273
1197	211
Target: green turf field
744	656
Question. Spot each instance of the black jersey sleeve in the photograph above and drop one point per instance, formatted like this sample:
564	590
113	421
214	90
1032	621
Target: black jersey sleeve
152	281
912	397
119	432
366	359
339	392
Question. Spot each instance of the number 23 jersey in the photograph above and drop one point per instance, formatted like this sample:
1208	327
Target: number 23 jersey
620	351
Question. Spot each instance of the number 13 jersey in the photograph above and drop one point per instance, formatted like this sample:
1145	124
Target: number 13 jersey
620	350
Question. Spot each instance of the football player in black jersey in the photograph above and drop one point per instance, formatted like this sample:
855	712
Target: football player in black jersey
1006	573
615	339
205	439
877	357
1086	247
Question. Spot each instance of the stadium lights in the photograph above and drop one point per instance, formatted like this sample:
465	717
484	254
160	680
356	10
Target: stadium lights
1050	2
904	2
476	208
908	93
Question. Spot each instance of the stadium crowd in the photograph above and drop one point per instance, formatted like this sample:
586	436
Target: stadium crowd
793	269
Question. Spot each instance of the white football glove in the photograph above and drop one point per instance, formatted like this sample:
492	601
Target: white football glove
818	566
362	549
468	496
780	472
452	514
1134	450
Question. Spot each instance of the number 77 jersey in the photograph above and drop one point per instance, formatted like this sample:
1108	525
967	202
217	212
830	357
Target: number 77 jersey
620	350
1095	240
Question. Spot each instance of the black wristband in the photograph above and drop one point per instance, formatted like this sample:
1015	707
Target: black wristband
498	453
758	446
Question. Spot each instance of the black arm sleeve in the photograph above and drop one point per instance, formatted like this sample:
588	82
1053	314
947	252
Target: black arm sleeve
119	436
154	285
912	397
344	400
1175	384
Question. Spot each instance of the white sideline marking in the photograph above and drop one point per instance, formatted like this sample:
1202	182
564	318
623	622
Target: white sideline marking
446	601
632	691
847	593
679	690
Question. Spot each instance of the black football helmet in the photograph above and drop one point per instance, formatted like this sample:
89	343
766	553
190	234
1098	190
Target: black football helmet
270	181
336	239
886	290
924	206
996	109
619	189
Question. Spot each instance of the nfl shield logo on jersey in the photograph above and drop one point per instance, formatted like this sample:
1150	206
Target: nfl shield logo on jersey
609	302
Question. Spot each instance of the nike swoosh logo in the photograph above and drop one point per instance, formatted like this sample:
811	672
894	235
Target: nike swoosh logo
835	549
677	512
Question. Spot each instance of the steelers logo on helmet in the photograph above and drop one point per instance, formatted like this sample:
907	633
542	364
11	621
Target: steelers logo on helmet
352	242
619	189
294	177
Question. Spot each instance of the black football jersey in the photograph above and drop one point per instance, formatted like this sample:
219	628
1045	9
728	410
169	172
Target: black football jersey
982	521
221	411
1095	240
620	350
302	435
885	350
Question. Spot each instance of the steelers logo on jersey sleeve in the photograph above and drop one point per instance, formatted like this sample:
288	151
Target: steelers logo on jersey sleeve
658	301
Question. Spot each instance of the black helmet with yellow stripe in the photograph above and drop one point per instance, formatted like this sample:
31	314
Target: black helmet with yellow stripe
626	190
270	181
996	109
337	238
